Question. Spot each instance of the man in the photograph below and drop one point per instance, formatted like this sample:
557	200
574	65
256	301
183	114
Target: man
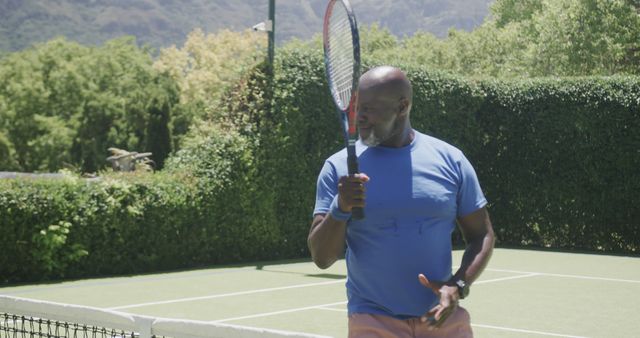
414	189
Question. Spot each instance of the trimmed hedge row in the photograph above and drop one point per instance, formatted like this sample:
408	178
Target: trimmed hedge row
557	159
72	227
561	161
132	223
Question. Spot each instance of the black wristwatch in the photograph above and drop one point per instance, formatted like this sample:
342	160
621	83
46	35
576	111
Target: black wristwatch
463	288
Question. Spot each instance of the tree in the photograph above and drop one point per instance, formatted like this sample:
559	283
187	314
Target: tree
586	37
525	38
158	129
565	38
505	12
31	93
7	154
376	40
205	67
66	104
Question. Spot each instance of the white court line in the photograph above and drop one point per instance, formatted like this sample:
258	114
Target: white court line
323	306
524	331
279	312
326	307
524	275
505	278
569	276
127	280
181	300
333	309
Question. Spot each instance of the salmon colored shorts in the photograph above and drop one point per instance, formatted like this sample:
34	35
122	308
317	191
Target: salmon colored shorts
364	325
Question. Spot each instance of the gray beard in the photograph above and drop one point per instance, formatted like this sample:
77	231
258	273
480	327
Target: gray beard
374	140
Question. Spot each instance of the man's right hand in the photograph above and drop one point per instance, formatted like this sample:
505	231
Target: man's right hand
351	191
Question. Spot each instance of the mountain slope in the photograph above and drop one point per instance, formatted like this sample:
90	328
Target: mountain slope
161	23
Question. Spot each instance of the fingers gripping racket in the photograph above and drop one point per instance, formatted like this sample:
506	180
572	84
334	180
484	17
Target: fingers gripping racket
342	64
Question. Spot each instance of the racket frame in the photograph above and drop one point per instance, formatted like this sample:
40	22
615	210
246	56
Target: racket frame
346	114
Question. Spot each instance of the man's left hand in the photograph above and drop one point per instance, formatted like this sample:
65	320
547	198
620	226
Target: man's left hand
448	296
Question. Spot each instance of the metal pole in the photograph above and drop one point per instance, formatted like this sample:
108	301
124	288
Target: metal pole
272	31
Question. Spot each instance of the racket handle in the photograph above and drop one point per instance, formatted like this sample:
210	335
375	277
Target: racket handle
357	213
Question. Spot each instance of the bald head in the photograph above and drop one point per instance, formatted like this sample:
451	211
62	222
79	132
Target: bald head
383	106
388	82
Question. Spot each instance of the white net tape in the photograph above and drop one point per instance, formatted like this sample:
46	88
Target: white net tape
20	317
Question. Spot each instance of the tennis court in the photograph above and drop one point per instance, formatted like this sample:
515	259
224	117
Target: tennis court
523	293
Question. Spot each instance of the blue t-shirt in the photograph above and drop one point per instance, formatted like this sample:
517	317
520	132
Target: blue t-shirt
412	201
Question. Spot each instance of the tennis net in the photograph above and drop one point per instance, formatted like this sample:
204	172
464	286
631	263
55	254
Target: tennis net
21	317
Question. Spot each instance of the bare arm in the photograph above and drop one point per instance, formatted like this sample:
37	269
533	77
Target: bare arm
326	240
478	233
480	238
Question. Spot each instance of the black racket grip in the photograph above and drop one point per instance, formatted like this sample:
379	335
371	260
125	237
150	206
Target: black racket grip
357	213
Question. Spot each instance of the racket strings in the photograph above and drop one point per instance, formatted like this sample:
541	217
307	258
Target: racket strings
341	56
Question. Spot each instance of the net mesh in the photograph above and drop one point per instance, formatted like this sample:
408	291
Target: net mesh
20	317
12	325
340	53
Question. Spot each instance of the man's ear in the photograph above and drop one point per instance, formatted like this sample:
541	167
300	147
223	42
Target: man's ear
404	107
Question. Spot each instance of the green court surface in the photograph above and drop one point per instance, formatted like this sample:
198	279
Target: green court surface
522	293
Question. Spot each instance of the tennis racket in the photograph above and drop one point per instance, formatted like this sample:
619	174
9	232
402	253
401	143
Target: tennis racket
342	63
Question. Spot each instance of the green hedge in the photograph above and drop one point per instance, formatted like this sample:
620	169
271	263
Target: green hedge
73	227
561	160
188	216
557	159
